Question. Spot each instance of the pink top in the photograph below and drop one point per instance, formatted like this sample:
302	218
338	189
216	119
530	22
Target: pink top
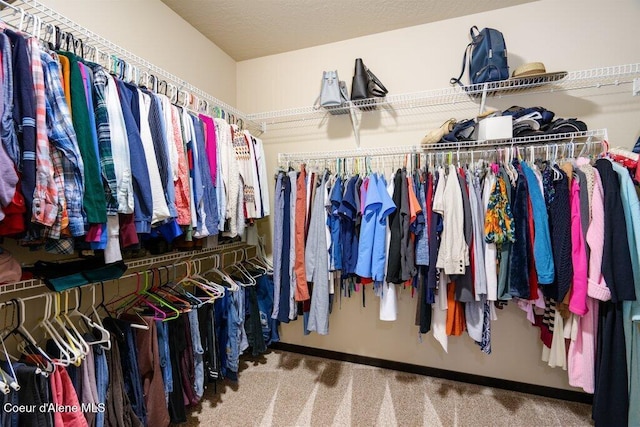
210	145
597	287
578	299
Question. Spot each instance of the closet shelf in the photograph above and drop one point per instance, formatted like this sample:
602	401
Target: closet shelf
21	13
554	82
594	137
24	285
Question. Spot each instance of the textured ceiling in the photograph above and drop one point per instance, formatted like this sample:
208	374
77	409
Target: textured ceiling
247	29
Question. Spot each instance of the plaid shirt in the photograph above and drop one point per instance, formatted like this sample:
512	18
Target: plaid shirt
63	137
100	79
45	196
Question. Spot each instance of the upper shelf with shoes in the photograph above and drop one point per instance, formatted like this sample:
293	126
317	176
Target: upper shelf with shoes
550	82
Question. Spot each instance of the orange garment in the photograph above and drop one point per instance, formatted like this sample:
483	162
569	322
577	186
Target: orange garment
456	322
302	290
414	205
65	67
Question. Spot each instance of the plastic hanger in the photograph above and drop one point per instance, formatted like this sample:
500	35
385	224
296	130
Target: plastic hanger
64	338
76	342
232	285
134	299
9	380
95	328
65	358
72	327
27	340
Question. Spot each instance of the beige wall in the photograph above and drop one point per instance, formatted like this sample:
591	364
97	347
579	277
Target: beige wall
565	35
149	29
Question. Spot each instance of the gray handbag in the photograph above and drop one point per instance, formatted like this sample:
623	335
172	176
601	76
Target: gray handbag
333	94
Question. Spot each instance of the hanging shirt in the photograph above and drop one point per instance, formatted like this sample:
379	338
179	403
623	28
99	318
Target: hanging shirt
209	202
141	185
24	116
100	81
160	146
45	198
316	263
169	136
542	239
348	211
261	163
380	244
119	149
230	175
63	137
160	210
94	202
8	131
453	255
182	187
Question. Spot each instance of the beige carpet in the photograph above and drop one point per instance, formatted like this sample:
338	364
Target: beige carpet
288	389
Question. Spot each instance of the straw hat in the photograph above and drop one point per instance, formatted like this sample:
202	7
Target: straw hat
535	69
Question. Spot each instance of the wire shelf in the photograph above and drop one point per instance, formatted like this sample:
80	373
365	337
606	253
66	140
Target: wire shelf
30	284
451	96
593	137
92	42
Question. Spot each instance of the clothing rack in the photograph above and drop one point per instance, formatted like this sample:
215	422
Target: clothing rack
239	253
35	18
173	258
591	140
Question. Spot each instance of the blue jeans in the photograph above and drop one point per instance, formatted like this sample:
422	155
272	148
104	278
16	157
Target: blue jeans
264	288
102	380
163	350
234	324
198	352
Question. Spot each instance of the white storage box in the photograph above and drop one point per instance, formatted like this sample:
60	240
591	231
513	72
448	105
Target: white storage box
500	127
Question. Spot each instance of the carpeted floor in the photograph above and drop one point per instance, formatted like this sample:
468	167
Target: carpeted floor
288	389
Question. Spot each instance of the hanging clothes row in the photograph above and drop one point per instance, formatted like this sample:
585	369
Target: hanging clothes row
138	359
557	235
92	160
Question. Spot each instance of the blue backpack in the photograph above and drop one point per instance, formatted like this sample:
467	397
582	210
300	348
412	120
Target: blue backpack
487	57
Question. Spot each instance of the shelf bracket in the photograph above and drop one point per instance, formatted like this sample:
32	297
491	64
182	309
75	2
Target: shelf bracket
483	101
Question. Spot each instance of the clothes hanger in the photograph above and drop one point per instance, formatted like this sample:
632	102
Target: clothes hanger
226	280
116	329
71	326
170	294
72	342
178	287
66	358
146	292
26	341
210	288
9	380
93	327
133	299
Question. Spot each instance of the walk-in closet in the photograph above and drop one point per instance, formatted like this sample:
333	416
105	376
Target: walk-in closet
285	213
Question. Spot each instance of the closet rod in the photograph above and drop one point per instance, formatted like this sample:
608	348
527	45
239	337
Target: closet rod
49	16
29	284
593	136
284	158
